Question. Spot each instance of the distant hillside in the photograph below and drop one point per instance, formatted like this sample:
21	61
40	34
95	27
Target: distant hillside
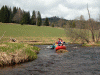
53	19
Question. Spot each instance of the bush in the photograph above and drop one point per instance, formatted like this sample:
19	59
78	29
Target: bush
52	25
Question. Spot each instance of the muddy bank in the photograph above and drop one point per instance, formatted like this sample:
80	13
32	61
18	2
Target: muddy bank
78	61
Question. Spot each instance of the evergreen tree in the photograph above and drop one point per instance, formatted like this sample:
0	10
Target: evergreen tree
39	21
46	23
5	14
72	24
26	18
11	16
0	15
33	18
14	10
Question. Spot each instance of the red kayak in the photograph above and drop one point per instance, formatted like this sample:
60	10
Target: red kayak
60	47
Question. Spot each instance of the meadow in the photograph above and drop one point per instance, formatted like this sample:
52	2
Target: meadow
31	33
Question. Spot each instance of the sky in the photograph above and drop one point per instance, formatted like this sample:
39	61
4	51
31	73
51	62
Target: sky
67	9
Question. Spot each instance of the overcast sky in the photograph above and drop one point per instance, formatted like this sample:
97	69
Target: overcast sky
68	9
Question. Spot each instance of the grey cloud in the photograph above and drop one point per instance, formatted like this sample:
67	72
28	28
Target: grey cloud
69	10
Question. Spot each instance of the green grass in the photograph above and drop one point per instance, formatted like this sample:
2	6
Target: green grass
14	47
44	34
31	32
17	30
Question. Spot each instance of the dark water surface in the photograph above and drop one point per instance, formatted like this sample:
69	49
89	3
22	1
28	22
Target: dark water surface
78	61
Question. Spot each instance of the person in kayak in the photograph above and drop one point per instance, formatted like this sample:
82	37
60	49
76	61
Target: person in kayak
59	42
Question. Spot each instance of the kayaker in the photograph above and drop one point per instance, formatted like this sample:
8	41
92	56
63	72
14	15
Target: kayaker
62	42
59	42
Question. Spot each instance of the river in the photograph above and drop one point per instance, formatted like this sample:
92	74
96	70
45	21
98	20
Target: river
78	61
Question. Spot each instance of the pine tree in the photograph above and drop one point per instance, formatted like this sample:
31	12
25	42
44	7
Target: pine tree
5	14
39	21
14	10
33	18
46	23
0	15
11	16
26	18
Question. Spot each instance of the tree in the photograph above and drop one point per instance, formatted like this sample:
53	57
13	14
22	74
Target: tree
14	10
80	22
82	18
91	25
0	15
11	16
73	24
46	23
33	18
39	21
61	22
18	16
5	14
76	34
52	25
26	18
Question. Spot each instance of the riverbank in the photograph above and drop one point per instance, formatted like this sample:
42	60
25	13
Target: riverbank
91	44
15	53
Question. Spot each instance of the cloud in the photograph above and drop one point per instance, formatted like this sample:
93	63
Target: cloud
68	9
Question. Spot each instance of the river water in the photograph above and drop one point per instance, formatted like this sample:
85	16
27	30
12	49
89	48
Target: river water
78	61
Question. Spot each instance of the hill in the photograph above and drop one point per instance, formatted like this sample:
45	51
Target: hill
54	20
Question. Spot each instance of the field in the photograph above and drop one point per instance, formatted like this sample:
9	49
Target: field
31	33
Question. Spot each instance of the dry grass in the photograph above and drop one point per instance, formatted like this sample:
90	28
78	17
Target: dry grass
15	53
11	59
36	40
61	51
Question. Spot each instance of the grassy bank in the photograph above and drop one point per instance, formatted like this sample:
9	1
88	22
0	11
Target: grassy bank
15	53
91	44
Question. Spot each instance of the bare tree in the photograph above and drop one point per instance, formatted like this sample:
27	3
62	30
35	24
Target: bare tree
84	29
60	22
18	16
91	27
79	31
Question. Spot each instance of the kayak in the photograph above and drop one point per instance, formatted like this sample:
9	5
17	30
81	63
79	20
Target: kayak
54	46
60	47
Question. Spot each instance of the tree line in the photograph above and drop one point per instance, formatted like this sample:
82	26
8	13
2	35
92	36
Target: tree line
17	15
